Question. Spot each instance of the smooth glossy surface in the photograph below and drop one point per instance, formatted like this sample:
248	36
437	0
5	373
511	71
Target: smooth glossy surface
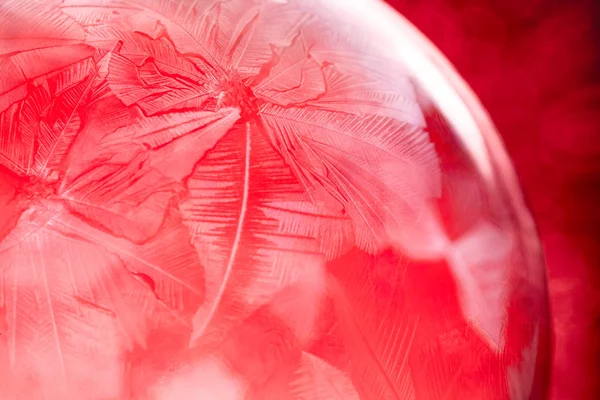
254	200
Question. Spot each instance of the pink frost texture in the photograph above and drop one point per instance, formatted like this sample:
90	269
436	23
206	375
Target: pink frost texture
244	200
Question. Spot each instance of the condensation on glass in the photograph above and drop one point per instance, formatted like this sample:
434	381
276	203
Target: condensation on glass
254	199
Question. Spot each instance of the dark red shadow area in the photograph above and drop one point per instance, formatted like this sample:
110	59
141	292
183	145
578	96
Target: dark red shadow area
534	65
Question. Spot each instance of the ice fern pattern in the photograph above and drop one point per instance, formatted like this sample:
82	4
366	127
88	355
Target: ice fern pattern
197	198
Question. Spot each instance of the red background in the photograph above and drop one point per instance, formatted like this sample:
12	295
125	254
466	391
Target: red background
534	65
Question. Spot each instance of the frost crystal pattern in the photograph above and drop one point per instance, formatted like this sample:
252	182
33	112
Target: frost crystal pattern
246	199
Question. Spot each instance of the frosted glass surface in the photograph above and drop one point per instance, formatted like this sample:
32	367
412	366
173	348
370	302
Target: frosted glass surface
254	199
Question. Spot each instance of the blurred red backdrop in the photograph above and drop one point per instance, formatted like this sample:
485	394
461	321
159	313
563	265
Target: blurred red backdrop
535	66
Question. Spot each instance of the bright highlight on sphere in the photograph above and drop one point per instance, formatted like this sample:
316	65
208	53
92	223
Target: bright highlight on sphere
254	199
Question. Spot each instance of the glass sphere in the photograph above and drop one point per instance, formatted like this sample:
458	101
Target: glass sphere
254	199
